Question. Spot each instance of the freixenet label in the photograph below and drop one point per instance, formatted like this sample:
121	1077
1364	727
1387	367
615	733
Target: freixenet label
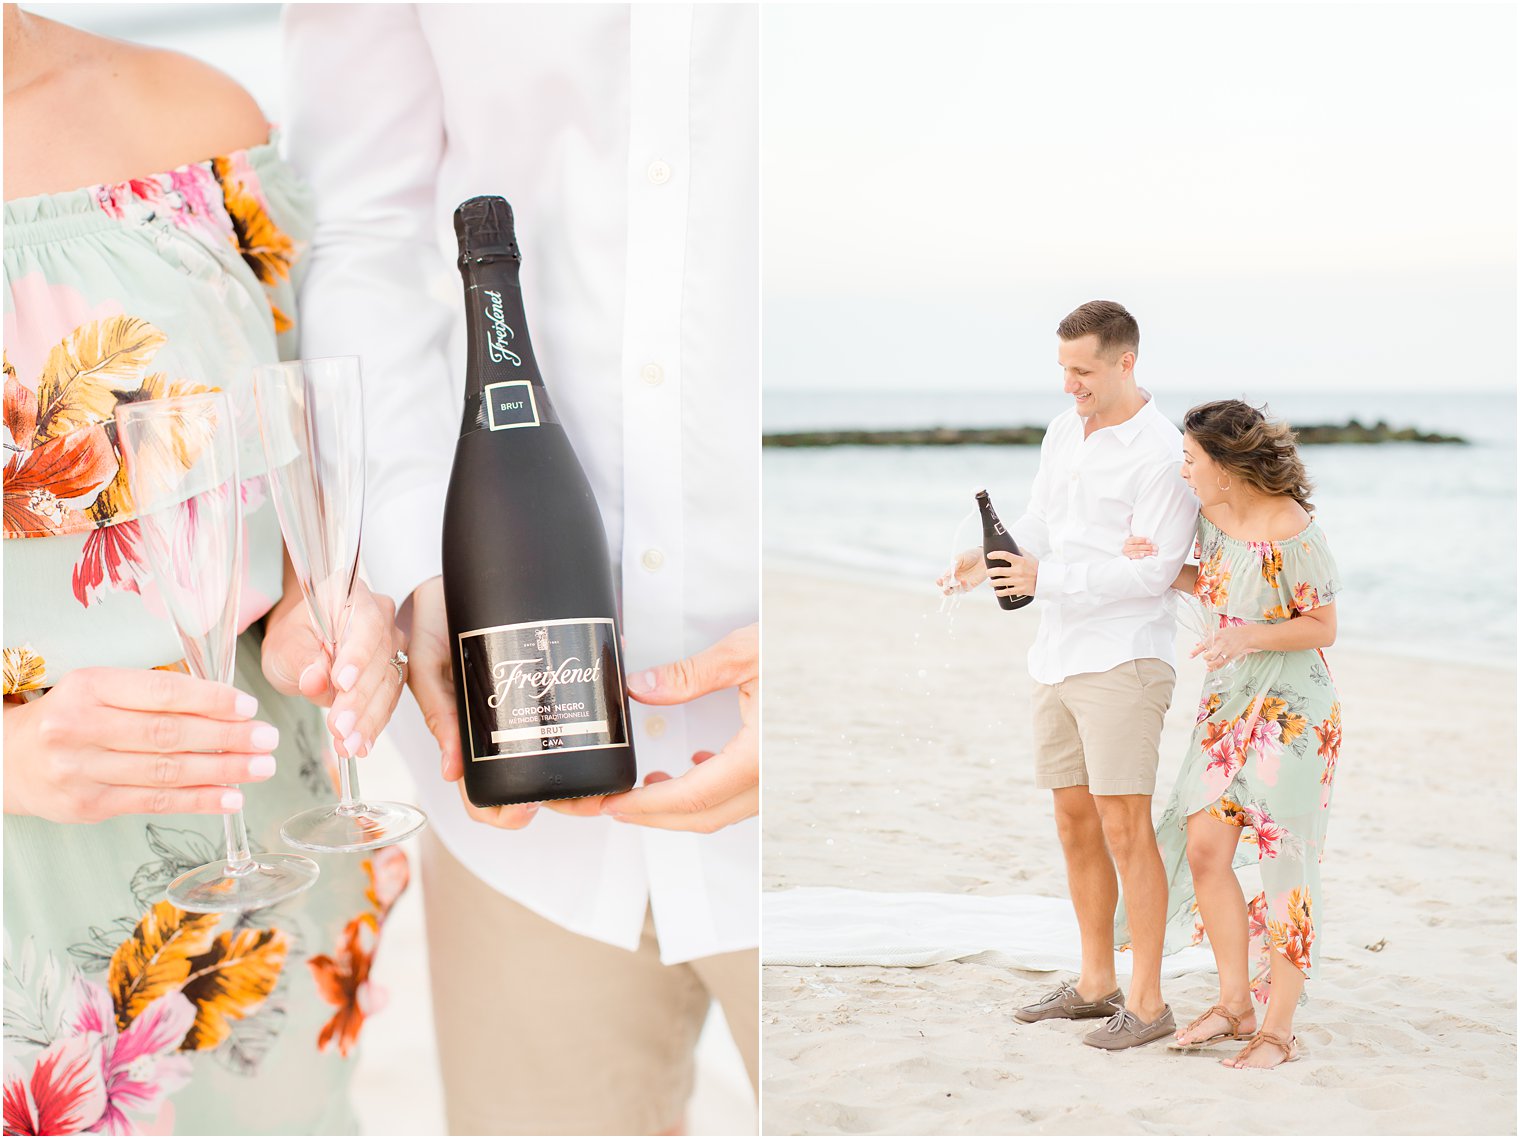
501	334
510	404
541	686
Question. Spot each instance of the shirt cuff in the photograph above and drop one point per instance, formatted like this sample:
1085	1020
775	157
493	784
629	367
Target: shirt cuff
1060	579
403	540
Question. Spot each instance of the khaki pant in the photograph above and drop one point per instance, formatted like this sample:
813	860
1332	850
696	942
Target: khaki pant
1102	730
544	1032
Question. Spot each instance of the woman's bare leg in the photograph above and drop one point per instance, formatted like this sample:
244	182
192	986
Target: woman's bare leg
1222	906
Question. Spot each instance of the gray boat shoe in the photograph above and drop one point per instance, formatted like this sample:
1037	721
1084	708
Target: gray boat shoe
1126	1030
1066	1004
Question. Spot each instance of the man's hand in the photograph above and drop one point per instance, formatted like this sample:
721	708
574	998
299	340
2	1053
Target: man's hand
1017	579
431	677
968	572
724	787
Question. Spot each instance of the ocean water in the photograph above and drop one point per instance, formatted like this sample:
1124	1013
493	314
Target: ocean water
1424	535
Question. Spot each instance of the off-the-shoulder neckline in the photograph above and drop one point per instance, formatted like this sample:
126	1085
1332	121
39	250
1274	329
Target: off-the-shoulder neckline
1313	522
258	150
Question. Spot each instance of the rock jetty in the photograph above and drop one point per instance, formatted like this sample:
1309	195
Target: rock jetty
1351	432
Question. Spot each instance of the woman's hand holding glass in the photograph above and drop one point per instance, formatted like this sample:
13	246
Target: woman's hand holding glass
121	741
361	688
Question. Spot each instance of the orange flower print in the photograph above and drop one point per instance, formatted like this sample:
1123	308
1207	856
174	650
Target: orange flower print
1208	706
343	978
389	875
266	248
1276	613
1213	584
1294	937
1329	734
25	671
1271	560
1305	597
1228	812
63	455
343	981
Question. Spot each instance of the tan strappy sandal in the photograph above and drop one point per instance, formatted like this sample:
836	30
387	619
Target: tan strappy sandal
1234	1032
1289	1048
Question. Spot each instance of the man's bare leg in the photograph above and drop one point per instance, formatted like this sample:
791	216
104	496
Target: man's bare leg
1127	828
1094	888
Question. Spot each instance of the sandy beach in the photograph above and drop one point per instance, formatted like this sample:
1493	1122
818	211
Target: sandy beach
897	758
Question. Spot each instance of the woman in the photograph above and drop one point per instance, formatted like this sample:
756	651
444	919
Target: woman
1262	759
151	231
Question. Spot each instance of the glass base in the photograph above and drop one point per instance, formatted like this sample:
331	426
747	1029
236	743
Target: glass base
361	826
217	888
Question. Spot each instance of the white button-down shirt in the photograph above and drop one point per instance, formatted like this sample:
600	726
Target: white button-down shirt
626	139
1098	608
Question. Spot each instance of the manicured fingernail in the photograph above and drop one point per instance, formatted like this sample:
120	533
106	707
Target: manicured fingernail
351	743
344	724
266	737
348	676
261	767
232	800
643	682
246	705
309	674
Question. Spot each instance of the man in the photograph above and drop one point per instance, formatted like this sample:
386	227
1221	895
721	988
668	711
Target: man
573	958
1102	659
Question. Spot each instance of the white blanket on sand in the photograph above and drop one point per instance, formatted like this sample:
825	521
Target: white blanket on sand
824	925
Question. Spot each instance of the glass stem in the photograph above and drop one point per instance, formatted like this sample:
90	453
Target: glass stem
239	860
348	785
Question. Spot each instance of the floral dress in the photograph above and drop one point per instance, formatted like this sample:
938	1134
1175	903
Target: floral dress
1264	750
124	1014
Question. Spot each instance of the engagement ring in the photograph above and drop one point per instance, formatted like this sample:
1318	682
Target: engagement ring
399	660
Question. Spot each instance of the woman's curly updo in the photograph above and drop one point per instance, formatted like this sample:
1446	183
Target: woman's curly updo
1249	446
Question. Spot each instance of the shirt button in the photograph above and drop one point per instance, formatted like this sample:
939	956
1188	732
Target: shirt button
652	374
652	560
659	172
654	727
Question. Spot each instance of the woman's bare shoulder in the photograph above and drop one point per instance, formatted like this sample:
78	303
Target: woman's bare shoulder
101	110
201	112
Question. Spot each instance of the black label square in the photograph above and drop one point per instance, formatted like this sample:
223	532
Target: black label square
511	404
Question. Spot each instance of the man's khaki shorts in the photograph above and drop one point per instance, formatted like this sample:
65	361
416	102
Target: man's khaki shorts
544	1032
1102	730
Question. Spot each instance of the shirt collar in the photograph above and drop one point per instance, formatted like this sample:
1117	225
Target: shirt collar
1127	431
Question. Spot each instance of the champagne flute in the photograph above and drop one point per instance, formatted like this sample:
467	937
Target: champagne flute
1201	623
311	418
181	458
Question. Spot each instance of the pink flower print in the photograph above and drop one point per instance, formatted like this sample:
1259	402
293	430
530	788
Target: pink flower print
1222	743
141	1065
64	1094
389	875
1266	741
197	200
110	553
1305	597
132	199
1269	832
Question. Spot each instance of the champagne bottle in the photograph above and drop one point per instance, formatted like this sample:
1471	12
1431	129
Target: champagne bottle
527	581
995	536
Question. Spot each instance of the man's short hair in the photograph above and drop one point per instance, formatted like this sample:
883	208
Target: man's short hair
1109	321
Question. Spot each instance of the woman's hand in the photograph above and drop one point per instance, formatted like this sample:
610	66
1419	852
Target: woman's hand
968	572
123	741
361	687
1137	548
1230	644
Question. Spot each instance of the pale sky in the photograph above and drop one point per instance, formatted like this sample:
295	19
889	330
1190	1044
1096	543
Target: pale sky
1297	194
